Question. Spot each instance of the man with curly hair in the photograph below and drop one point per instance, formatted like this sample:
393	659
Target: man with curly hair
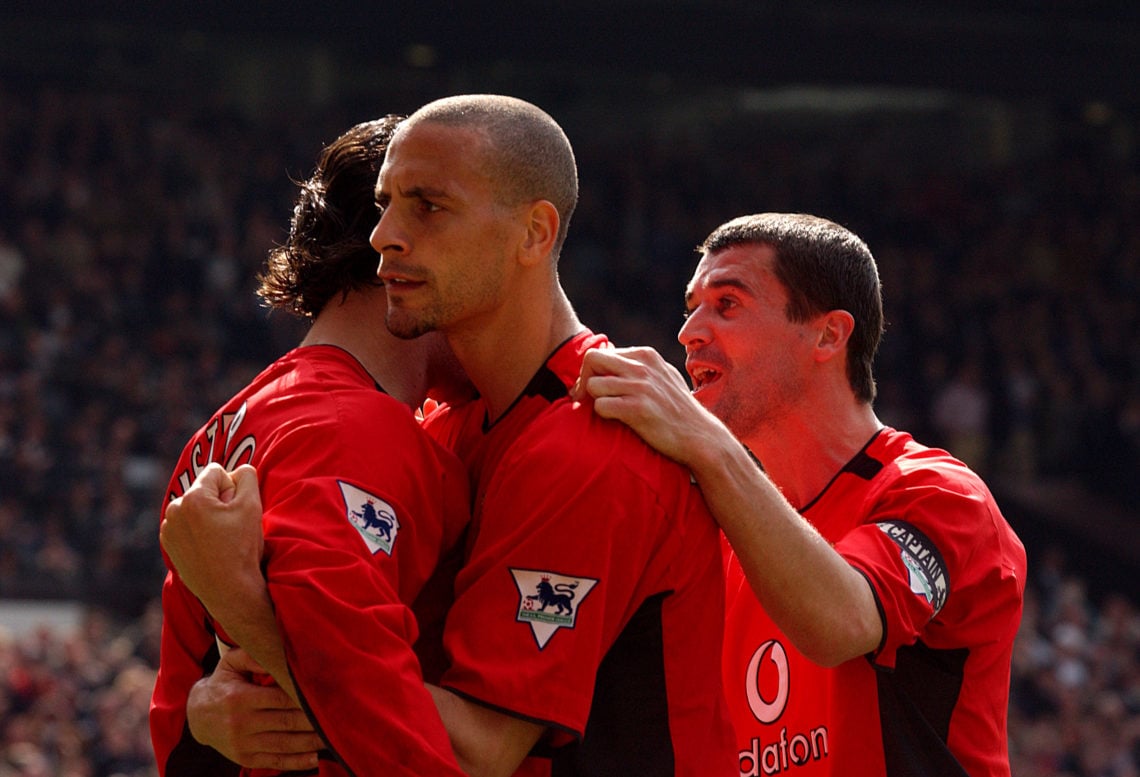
361	508
585	633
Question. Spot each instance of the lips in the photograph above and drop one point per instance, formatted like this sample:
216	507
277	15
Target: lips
397	280
702	373
400	283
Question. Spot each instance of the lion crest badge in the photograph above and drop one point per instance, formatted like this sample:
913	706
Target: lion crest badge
370	515
548	601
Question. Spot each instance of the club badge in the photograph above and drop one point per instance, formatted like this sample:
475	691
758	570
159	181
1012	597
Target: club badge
374	518
549	602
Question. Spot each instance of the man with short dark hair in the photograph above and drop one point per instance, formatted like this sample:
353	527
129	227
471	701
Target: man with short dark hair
588	614
874	588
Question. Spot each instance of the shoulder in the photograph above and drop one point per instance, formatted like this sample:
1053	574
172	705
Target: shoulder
908	463
933	491
570	438
333	384
319	404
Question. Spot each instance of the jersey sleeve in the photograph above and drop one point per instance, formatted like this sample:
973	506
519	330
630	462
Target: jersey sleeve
351	530
565	532
188	651
920	551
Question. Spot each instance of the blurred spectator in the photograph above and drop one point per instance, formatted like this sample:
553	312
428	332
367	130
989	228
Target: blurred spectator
75	704
1075	696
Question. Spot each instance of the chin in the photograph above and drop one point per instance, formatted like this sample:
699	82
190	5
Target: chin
407	328
725	410
705	397
705	403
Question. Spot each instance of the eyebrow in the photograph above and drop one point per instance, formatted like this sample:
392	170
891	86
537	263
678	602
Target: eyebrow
732	283
415	192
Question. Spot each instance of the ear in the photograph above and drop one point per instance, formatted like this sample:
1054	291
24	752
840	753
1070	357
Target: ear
835	329
542	223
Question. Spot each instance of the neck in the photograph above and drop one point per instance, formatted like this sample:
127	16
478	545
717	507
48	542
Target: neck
804	451
357	325
502	357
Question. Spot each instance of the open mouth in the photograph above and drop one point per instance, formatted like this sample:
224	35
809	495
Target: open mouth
702	376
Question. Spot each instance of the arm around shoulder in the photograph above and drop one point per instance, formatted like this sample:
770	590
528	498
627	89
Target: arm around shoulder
822	603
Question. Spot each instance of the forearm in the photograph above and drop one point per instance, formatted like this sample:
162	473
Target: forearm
817	599
486	743
247	616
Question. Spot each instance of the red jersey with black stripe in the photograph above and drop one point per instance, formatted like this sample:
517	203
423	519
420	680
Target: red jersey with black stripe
360	506
591	600
948	573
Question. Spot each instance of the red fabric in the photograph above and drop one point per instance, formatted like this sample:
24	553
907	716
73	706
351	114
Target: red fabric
327	442
958	603
580	503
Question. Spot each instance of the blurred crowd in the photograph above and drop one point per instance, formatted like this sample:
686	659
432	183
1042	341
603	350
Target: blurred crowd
73	703
131	230
1075	694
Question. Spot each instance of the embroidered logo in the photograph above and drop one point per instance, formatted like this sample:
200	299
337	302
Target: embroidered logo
925	568
374	518
549	602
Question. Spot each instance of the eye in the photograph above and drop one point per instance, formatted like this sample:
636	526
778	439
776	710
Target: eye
726	303
427	206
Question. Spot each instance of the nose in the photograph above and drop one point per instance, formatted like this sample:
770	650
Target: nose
695	331
387	239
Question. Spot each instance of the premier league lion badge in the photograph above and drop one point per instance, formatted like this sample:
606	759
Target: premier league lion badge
549	602
374	518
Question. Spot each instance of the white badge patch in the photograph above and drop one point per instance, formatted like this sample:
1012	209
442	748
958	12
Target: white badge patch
374	518
549	602
926	571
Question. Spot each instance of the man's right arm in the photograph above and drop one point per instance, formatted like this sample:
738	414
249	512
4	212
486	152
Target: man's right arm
252	724
339	614
212	534
824	606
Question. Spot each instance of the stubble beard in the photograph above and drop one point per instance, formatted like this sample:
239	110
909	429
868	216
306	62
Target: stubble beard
407	326
742	414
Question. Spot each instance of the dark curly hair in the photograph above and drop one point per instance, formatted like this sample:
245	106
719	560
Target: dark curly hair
327	252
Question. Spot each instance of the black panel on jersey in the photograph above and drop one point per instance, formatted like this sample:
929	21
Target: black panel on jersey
863	466
628	728
545	384
916	701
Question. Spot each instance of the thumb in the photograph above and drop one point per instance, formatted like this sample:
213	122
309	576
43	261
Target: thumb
245	486
237	660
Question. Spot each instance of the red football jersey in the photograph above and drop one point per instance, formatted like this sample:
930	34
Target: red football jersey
360	506
948	573
592	597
